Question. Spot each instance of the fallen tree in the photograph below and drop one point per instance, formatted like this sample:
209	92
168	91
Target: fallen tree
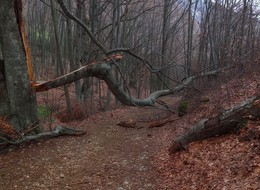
21	103
226	122
103	71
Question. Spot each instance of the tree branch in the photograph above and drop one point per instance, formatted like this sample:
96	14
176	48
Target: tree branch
103	71
82	24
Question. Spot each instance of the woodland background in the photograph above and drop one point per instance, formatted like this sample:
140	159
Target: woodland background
177	38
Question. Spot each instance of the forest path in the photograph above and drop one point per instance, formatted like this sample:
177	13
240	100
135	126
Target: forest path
107	157
110	157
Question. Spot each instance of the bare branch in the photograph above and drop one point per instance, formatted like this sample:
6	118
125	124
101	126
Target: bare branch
103	71
82	24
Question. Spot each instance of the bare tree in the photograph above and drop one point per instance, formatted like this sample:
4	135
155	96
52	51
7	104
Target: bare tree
59	55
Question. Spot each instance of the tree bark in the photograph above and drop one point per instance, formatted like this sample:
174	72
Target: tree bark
4	101
229	121
22	102
59	55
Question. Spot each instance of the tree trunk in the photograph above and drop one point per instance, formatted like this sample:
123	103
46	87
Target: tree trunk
59	56
4	101
18	100
224	123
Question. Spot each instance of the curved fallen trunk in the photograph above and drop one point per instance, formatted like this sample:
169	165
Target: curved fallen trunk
229	121
103	71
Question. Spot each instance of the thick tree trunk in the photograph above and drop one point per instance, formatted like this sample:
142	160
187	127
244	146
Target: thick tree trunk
224	123
4	101
21	101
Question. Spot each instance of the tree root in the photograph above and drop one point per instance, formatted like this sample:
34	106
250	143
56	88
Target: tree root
58	131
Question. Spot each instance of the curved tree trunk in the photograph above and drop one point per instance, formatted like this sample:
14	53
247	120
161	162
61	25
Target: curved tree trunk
20	106
103	71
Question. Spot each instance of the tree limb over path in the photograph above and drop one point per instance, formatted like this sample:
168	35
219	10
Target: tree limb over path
103	71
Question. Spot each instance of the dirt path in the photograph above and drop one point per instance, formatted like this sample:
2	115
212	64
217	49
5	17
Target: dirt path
107	157
110	157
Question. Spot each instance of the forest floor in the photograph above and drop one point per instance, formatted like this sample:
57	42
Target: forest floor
110	157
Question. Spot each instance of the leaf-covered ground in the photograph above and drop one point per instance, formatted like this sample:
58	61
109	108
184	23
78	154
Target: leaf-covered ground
118	158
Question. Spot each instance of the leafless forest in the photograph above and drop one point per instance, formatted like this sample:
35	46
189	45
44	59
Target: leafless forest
189	69
175	39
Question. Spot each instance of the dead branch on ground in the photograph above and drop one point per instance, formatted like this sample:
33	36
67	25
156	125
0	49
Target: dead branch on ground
58	131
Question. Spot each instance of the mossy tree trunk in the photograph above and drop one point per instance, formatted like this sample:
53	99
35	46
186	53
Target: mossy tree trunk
17	101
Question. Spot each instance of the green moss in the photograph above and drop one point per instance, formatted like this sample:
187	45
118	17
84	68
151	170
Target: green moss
183	108
43	111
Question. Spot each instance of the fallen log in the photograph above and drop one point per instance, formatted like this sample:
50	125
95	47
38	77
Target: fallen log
226	122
